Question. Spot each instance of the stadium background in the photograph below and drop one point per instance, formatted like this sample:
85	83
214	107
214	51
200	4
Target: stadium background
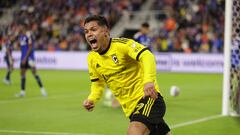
188	27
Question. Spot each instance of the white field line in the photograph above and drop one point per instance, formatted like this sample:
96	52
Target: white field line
196	121
43	132
19	99
188	123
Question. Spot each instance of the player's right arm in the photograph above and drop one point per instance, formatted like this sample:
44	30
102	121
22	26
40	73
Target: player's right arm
30	46
97	85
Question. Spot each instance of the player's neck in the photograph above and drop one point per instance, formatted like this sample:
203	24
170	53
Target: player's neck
106	48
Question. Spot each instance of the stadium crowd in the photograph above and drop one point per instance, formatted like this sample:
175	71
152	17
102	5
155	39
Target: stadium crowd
189	25
57	24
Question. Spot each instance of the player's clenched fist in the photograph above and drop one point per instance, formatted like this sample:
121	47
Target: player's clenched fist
88	104
149	90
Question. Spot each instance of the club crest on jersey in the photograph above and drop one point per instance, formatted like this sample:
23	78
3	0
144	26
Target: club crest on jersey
98	66
115	59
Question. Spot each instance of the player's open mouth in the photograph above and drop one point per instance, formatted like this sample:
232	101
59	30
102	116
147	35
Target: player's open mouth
93	43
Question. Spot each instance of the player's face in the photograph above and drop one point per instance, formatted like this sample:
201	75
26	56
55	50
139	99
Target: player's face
145	30
96	36
21	29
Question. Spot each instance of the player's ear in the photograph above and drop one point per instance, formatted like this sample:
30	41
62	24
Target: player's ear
106	30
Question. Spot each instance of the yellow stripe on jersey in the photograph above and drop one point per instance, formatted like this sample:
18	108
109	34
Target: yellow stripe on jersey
148	106
145	107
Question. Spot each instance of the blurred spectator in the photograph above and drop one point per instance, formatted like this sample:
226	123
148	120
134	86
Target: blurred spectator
142	36
57	24
191	26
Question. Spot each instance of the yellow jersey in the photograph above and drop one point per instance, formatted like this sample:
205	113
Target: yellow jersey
125	67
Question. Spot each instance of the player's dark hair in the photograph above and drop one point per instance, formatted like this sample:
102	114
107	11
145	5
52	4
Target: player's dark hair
145	24
102	21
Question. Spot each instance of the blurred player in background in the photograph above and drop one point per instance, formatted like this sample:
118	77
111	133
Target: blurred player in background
7	49
27	58
129	70
110	100
142	35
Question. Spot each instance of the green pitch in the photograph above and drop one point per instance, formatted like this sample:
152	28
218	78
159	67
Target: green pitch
196	111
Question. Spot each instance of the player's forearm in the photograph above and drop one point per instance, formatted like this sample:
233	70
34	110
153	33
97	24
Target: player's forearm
97	89
149	66
29	51
9	53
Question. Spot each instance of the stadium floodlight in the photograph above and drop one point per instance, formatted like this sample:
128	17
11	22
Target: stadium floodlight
231	80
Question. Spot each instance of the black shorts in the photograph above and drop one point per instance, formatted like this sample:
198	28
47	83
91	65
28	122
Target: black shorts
25	66
150	112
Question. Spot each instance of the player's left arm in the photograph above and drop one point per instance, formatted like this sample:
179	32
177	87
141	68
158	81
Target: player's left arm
97	85
146	58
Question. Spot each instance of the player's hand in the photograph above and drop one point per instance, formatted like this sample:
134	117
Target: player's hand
88	105
150	91
24	61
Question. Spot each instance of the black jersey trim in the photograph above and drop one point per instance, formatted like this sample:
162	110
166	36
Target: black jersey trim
94	80
120	40
107	47
137	58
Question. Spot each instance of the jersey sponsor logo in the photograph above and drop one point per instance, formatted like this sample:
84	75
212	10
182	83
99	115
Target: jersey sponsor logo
121	92
106	76
115	59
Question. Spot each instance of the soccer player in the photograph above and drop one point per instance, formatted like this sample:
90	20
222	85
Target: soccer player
7	49
28	59
129	70
142	35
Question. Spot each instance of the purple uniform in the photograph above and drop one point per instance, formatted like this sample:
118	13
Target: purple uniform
25	40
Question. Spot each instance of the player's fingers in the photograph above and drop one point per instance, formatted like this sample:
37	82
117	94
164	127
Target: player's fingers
88	105
146	93
85	104
90	108
153	94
